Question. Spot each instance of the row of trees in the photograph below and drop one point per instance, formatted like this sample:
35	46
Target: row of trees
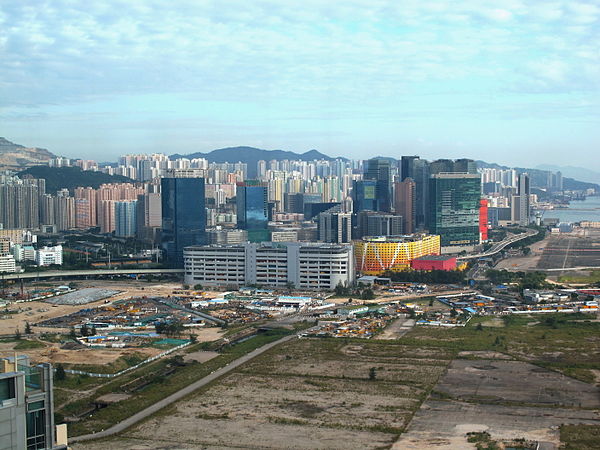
525	280
428	276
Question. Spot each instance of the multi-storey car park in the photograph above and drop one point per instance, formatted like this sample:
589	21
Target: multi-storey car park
278	265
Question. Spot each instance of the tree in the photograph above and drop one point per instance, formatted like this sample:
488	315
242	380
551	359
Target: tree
372	373
193	338
93	331
72	333
367	294
60	373
84	330
198	287
17	334
27	328
479	327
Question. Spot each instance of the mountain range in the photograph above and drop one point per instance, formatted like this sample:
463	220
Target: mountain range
251	156
17	157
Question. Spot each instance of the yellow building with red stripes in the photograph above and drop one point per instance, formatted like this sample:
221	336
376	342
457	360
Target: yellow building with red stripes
375	255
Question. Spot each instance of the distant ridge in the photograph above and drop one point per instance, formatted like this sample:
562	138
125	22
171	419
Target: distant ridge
251	156
71	177
15	156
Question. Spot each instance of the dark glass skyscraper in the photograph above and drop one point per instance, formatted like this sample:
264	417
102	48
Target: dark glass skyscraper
380	170
183	216
253	210
418	169
364	195
454	208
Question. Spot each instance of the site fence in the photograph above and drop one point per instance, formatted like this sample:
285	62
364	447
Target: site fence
129	369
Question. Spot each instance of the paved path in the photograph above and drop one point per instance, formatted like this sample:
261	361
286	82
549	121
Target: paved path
397	329
122	426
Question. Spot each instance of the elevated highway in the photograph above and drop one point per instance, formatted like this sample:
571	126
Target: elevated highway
86	273
499	246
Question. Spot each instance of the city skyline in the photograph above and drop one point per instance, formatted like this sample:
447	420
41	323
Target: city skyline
505	85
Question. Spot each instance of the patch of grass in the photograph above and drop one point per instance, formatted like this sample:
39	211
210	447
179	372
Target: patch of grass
593	277
24	344
156	390
563	342
580	437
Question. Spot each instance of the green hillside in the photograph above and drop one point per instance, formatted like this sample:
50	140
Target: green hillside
71	177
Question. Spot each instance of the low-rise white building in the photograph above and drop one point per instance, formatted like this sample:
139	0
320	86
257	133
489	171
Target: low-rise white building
7	263
46	256
268	264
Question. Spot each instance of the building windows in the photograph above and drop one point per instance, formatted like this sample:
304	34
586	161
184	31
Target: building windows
7	389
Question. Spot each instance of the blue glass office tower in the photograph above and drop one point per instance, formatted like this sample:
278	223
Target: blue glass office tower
183	216
364	195
380	170
253	210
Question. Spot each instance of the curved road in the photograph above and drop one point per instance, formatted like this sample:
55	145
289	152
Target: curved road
499	246
122	426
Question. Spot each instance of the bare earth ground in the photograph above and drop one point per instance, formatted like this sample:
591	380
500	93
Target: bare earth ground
507	399
313	394
528	262
307	394
98	356
33	312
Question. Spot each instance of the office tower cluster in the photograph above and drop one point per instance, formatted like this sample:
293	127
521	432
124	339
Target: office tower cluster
389	211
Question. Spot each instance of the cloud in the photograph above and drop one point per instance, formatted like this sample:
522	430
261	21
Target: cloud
376	59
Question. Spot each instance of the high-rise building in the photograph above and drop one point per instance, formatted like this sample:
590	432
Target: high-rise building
149	217
126	218
19	202
334	226
364	195
520	208
404	203
454	209
418	169
253	210
465	165
27	407
85	208
441	166
375	223
380	170
64	210
483	219
183	216
407	164
106	197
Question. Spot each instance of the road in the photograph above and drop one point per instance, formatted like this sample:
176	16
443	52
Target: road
499	246
122	426
82	273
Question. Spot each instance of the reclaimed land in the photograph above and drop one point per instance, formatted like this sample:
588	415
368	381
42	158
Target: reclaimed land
523	379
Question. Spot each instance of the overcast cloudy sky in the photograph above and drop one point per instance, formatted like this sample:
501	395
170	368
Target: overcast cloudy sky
515	82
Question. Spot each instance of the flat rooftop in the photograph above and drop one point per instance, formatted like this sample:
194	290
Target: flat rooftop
435	258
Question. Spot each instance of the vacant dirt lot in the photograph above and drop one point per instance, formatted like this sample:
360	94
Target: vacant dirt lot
305	394
571	250
508	399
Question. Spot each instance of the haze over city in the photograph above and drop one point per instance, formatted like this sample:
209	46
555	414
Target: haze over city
311	225
500	82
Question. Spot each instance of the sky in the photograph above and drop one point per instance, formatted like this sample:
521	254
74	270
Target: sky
513	82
